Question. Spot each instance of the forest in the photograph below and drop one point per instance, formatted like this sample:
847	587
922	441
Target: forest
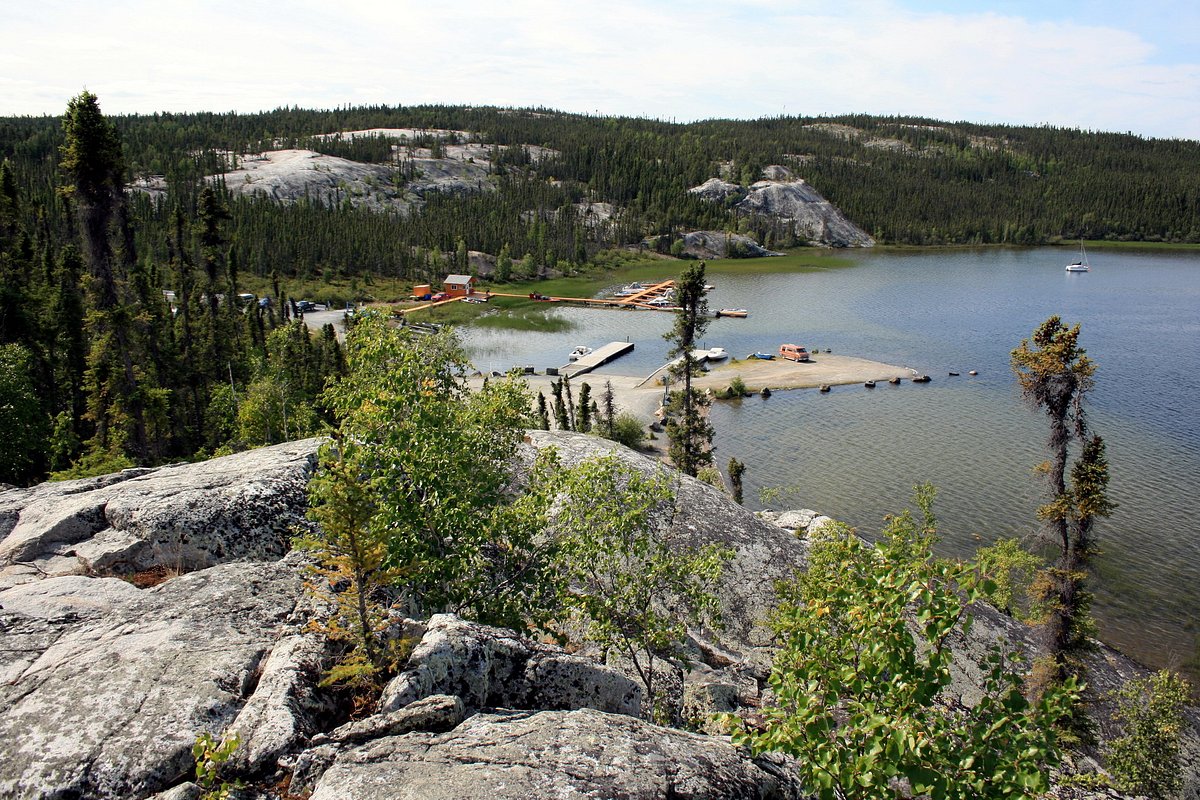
101	370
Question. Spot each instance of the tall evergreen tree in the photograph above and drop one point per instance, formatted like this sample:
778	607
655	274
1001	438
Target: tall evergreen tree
691	435
1055	375
94	166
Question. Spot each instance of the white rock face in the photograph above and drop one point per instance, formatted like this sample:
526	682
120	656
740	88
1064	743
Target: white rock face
181	517
288	176
783	196
718	244
810	215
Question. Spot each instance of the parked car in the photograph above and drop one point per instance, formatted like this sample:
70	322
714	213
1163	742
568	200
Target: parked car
440	296
305	306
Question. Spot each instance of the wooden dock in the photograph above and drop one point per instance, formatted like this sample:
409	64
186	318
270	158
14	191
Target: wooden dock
599	356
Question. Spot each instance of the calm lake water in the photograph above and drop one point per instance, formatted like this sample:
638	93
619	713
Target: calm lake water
855	453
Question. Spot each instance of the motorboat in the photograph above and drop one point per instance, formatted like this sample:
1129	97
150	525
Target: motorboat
733	312
579	352
1080	264
717	354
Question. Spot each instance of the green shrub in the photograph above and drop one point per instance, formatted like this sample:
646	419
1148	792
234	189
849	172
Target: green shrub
1145	759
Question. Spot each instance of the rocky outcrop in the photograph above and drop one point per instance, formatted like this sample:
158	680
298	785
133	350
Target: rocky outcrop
790	200
106	686
288	176
584	753
718	244
494	668
717	190
810	215
176	518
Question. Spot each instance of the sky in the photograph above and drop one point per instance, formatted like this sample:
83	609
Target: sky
1106	65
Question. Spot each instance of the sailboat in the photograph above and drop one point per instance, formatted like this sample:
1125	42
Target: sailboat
1080	264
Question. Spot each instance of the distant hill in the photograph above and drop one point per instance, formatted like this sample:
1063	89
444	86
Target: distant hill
307	186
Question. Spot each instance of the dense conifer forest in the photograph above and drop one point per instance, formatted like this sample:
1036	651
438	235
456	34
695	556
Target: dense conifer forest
101	370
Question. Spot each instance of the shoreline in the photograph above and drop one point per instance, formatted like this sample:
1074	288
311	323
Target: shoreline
642	396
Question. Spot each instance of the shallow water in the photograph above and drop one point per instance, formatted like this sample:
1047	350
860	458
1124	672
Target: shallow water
855	453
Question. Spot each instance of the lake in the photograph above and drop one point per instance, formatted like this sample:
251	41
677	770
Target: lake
855	453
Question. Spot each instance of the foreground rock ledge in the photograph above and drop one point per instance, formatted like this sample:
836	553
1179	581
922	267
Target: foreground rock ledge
567	754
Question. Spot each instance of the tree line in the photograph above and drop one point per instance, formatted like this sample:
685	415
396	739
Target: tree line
105	368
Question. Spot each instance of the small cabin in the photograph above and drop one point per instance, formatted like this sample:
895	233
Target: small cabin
459	285
793	352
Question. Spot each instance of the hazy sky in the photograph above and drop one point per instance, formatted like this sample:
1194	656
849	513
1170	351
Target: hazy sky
1111	65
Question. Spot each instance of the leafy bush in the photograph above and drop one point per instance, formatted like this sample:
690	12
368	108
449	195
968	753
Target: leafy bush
862	666
1011	570
628	430
1145	759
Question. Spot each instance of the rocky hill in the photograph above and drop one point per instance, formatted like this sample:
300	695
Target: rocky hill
140	609
784	197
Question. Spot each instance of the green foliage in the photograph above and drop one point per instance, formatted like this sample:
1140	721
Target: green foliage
210	756
1011	570
689	431
22	418
351	570
1055	375
637	590
628	430
736	470
436	467
737	387
864	660
1145	759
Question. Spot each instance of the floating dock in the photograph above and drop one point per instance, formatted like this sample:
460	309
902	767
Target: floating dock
596	358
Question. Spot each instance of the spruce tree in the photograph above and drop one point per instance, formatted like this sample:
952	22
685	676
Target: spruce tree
690	435
1055	375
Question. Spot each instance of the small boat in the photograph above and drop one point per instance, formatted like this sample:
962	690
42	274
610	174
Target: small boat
824	387
579	352
869	384
1080	264
718	354
708	287
733	312
659	302
894	381
973	372
922	379
954	374
762	356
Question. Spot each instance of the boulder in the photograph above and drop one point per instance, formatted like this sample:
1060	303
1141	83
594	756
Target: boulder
107	686
176	518
494	668
582	753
